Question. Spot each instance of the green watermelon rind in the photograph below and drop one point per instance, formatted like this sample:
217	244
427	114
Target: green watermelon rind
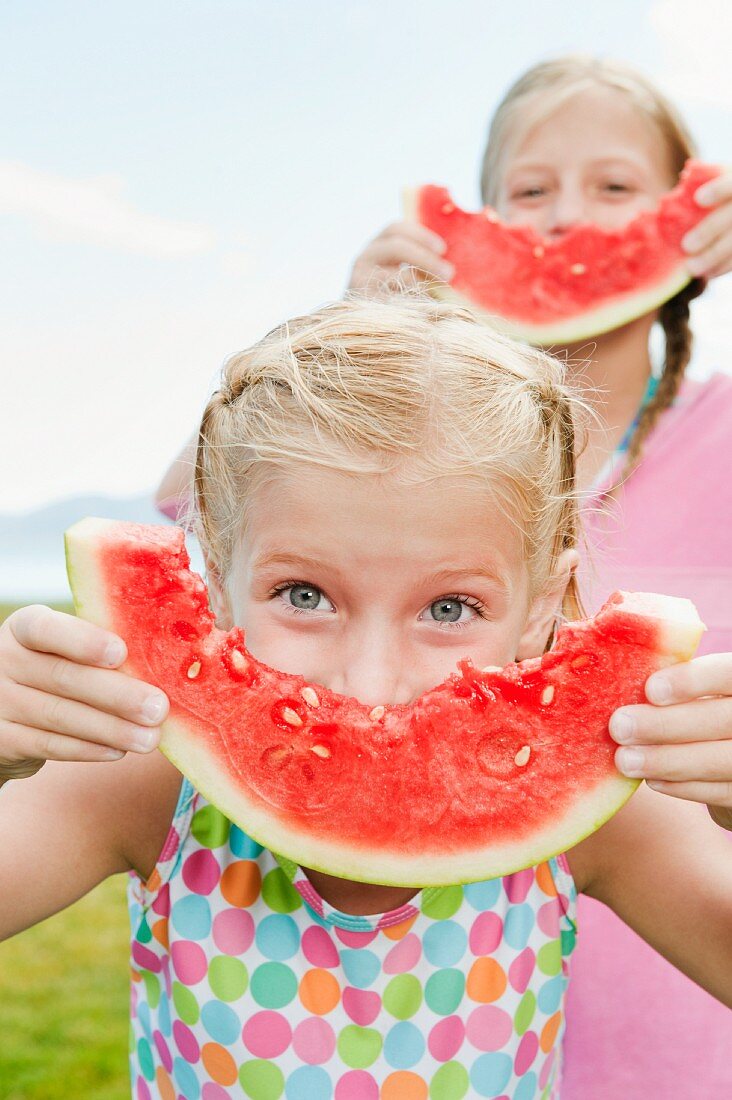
679	634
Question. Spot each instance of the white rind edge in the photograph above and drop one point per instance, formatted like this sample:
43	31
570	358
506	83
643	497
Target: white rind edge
620	311
87	589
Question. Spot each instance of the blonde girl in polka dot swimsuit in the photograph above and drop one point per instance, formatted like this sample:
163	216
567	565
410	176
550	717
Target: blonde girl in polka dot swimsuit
383	488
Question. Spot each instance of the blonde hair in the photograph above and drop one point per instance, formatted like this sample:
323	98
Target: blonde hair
538	94
406	386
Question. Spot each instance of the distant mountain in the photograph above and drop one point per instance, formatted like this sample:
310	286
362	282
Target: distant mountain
32	566
41	531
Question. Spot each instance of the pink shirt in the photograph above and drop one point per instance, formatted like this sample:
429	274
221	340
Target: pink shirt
637	1029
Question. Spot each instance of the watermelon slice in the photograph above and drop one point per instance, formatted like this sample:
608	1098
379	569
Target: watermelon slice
558	291
489	772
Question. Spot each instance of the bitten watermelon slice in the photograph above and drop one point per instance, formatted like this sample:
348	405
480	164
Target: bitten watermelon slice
487	773
558	291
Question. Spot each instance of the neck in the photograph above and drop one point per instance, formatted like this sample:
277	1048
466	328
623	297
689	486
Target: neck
611	374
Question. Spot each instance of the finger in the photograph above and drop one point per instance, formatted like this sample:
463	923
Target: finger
42	745
715	191
398	250
713	794
677	763
53	714
713	226
707	675
46	631
720	269
104	689
714	259
702	720
418	233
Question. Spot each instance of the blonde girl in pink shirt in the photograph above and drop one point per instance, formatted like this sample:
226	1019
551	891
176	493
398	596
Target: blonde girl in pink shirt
576	140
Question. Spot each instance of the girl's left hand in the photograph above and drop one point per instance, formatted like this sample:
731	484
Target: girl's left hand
709	244
682	743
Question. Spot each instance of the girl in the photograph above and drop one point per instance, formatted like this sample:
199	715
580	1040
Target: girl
383	488
578	140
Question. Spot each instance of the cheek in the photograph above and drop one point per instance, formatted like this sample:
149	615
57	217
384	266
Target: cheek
283	647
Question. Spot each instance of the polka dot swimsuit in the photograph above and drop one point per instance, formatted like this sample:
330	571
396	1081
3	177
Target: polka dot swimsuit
246	983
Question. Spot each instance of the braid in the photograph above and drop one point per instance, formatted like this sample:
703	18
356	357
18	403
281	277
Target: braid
674	318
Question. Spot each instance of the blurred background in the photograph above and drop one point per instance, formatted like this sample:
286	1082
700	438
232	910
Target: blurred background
176	178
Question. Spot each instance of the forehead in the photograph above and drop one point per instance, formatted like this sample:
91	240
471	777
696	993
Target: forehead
380	522
597	122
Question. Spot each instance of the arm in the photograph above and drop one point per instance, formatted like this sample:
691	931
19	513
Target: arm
663	864
72	810
666	870
176	489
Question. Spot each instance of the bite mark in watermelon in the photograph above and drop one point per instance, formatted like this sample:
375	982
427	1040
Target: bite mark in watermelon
489	772
564	289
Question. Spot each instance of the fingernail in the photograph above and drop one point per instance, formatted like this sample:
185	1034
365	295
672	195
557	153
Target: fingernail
144	739
153	709
658	690
691	242
622	726
115	653
630	762
695	266
111	754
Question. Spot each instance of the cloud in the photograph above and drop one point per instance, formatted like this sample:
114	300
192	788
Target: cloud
695	44
94	211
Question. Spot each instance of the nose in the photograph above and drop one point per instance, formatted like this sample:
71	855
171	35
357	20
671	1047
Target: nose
374	669
566	211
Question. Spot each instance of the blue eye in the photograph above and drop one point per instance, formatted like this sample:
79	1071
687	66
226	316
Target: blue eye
301	596
446	610
454	610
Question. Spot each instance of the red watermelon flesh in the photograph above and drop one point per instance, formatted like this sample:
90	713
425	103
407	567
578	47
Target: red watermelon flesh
560	290
487	773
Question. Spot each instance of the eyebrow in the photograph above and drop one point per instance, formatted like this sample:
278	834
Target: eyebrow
299	561
441	576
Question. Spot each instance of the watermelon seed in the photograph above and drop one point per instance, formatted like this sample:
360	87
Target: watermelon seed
538	251
194	670
491	215
448	208
238	660
492	668
581	661
310	696
291	717
521	758
377	713
578	269
321	750
547	695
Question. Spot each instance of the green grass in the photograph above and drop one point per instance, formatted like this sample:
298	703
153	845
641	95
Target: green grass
64	1001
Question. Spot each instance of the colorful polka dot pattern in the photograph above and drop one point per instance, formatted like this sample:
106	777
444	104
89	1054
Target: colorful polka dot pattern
245	982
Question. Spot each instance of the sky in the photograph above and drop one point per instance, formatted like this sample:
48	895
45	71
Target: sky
178	177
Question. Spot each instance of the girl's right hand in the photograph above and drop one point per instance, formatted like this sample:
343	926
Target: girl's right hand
62	696
403	244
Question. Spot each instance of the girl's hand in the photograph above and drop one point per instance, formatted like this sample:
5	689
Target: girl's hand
63	698
709	244
403	244
682	744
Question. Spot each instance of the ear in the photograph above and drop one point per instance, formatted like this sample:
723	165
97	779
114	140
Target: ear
217	595
545	606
